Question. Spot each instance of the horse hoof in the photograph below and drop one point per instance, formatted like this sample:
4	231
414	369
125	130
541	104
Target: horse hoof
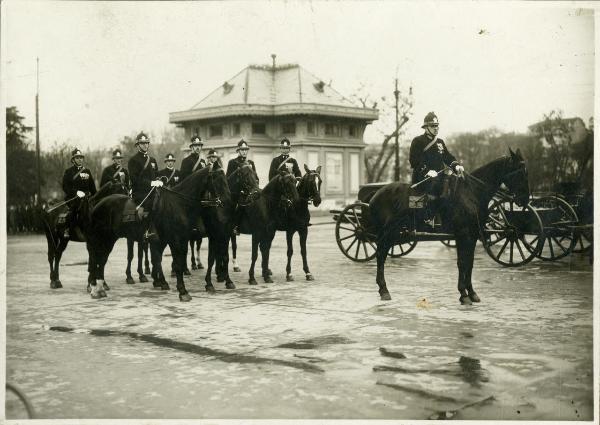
105	286
95	296
289	278
55	284
309	277
157	284
210	289
130	281
165	286
269	272
237	269
200	267
252	282
229	285
143	279
474	297
267	279
186	272
194	267
220	279
465	300
185	297
58	284
102	293
89	288
386	296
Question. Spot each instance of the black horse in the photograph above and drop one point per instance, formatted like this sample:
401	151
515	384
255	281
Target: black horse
262	211
143	264
203	194
54	228
393	220
309	191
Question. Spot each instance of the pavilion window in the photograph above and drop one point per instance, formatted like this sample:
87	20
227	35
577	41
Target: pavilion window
235	131
332	129
311	128
215	131
352	131
288	128
259	128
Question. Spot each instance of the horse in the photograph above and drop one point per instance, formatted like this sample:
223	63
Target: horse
263	211
54	228
393	220
203	194
309	190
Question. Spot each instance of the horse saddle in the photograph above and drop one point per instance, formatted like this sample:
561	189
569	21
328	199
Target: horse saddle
131	214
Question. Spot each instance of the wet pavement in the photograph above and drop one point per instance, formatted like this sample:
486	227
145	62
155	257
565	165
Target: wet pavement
326	349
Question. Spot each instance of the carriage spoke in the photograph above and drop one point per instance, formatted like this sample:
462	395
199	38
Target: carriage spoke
372	246
551	247
350	220
347	237
560	245
497	240
357	250
502	249
401	249
520	249
350	246
355	216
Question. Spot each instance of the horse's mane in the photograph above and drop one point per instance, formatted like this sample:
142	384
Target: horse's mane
190	184
486	169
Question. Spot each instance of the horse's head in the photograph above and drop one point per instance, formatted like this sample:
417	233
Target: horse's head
243	180
309	187
286	186
217	187
515	177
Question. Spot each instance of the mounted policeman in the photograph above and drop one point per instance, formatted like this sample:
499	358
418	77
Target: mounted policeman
116	172
169	174
232	166
77	183
193	161
432	165
143	171
284	161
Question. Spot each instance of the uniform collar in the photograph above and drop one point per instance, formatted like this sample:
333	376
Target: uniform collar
285	155
170	169
429	136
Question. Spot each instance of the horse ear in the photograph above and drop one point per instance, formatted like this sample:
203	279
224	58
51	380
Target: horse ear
512	154
318	170
306	168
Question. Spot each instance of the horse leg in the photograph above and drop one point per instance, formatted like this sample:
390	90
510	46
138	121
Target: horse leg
101	265
462	261
383	246
223	253
211	261
129	280
236	268
178	248
289	236
265	249
62	245
157	251
146	262
51	255
303	233
470	254
251	279
140	258
198	259
96	253
193	256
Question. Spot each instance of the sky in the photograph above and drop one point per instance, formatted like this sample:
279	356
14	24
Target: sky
110	69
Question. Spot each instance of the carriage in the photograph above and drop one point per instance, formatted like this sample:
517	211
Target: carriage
548	228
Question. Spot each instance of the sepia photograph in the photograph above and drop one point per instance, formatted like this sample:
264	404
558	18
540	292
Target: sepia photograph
298	210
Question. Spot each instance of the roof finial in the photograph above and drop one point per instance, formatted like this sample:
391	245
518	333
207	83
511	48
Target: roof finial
273	55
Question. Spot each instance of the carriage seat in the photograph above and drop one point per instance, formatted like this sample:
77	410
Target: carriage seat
366	191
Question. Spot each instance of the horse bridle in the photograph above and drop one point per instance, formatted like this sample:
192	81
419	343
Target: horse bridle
508	176
206	202
318	176
248	193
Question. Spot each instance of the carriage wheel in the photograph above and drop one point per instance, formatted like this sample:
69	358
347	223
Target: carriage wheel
402	249
512	235
583	241
450	243
559	220
353	238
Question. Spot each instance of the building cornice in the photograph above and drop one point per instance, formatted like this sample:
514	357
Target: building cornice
363	114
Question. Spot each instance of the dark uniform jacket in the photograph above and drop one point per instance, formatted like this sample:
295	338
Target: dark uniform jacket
188	164
276	166
236	163
112	172
434	158
171	177
141	176
78	178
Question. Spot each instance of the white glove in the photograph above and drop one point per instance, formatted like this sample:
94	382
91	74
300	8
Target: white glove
156	183
459	169
80	194
431	173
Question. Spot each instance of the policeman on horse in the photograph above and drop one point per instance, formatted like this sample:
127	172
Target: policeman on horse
213	158
77	183
432	164
169	174
143	172
242	158
284	161
116	172
193	161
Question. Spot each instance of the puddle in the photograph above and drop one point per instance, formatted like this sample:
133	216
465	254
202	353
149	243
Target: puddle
310	344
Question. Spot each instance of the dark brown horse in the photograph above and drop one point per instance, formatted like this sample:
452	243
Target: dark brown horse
54	228
309	191
394	221
262	211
